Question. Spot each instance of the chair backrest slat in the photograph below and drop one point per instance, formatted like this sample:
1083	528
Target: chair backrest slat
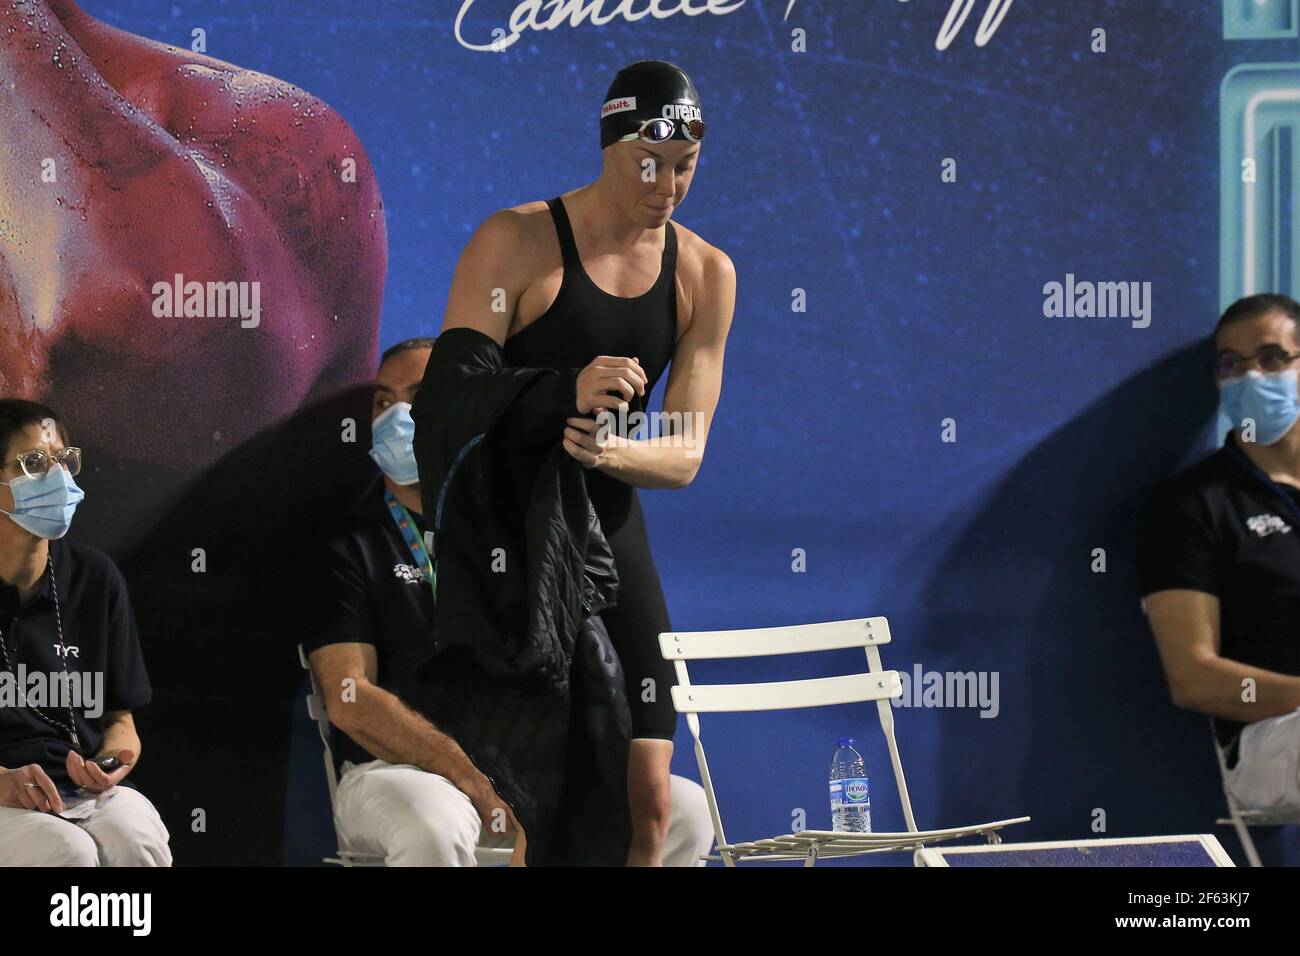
766	641
788	694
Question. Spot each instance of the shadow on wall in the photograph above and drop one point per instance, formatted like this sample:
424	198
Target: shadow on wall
1081	686
220	645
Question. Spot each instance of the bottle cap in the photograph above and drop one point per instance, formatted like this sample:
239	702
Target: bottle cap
846	741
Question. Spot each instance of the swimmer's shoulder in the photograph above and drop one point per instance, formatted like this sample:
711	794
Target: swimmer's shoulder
525	223
700	259
701	268
525	236
507	250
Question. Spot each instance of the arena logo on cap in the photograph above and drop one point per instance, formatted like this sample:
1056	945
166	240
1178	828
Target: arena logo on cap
681	111
529	15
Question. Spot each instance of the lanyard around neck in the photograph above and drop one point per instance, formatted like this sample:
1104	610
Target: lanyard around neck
70	728
406	526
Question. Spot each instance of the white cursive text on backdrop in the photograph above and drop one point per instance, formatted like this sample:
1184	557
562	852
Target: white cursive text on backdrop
528	15
994	14
534	15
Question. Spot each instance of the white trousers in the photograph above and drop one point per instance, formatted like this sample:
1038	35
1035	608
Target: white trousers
411	817
1267	774
118	827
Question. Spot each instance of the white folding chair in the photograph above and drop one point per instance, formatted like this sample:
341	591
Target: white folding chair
486	856
1242	818
875	684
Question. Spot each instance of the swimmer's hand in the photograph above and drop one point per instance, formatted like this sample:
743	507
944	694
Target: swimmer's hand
588	439
610	381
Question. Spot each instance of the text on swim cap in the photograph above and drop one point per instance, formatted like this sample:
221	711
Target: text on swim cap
620	105
681	111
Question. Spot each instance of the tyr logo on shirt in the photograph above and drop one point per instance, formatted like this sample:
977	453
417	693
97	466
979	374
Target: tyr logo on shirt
1264	525
411	574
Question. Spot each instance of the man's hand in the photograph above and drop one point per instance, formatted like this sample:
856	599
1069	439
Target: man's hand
29	788
87	775
495	814
520	852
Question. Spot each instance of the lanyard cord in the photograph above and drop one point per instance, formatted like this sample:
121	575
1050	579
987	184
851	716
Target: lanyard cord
406	525
70	728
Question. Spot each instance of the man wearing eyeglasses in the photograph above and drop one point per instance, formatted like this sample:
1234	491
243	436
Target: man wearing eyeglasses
71	671
1219	569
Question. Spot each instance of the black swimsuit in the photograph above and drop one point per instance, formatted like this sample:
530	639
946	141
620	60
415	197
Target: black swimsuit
585	321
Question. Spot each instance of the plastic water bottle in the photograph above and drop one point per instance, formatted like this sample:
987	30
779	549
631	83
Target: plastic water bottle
850	798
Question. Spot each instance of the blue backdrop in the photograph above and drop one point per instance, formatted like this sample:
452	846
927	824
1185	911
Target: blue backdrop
822	172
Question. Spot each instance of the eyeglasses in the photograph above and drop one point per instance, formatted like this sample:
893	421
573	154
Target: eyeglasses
36	463
660	130
1271	358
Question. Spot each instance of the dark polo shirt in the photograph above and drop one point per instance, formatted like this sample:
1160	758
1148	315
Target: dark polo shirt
99	638
370	592
1225	528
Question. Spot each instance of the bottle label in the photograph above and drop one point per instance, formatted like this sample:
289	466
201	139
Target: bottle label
851	791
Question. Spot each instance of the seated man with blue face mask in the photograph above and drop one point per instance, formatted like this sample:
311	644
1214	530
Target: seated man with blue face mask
70	670
407	792
1220	566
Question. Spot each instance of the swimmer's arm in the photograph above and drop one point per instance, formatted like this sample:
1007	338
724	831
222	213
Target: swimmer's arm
1186	625
694	386
485	291
487	283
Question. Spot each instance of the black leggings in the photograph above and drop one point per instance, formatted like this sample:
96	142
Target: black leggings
641	614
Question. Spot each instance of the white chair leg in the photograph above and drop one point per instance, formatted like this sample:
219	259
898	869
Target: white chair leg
1247	844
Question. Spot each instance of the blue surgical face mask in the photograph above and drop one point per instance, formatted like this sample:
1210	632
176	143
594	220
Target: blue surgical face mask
391	447
1271	401
44	506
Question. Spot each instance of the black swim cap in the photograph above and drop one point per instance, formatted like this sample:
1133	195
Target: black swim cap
648	90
